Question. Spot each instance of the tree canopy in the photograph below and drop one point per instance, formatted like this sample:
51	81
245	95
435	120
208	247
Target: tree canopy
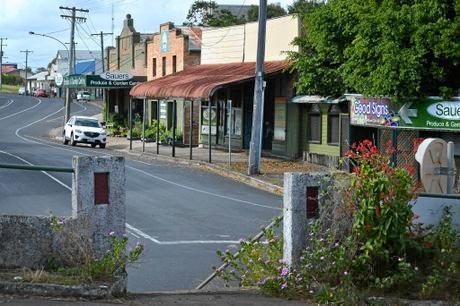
207	13
396	48
273	10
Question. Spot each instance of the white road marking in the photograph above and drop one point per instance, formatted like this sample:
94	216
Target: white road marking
63	147
24	110
133	229
72	114
44	172
128	226
6	105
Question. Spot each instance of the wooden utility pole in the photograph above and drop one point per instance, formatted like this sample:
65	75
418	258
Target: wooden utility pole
255	147
104	94
1	59
27	67
71	56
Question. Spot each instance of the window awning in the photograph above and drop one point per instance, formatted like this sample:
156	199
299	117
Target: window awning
201	81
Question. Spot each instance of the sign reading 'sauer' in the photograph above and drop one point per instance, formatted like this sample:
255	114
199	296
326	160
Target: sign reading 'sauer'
430	114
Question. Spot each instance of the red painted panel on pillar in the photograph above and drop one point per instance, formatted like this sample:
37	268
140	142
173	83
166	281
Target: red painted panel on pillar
101	188
311	202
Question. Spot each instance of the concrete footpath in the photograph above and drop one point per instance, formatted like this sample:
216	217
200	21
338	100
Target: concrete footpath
231	297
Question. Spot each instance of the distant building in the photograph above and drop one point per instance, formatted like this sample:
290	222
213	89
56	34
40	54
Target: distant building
86	62
8	68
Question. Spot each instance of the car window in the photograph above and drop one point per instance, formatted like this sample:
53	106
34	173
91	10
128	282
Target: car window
87	122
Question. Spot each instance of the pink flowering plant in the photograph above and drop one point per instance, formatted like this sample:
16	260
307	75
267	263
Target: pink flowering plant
382	251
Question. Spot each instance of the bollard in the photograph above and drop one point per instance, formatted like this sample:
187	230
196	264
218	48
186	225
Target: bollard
99	194
301	203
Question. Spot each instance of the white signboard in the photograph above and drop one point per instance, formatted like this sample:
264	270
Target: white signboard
58	79
116	76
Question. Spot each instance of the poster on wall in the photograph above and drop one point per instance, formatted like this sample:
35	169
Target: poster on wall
163	110
428	114
205	121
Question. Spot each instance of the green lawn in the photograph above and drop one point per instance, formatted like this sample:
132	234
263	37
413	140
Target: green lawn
10	89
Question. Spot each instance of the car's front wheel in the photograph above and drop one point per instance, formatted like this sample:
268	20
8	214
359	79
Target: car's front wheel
102	145
93	145
74	143
64	139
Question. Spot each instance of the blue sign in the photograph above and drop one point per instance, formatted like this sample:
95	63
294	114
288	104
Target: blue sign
164	46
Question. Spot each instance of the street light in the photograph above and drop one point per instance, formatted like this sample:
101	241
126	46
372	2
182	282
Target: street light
44	35
67	95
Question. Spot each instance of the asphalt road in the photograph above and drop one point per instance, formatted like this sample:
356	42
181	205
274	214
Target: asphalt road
181	215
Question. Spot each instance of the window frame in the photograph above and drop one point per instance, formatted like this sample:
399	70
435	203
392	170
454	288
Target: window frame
163	66
154	66
334	111
314	110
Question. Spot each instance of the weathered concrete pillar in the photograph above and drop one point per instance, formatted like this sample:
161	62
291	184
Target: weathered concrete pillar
99	195
301	203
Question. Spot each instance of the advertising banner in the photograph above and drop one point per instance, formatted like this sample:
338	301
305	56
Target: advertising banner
428	114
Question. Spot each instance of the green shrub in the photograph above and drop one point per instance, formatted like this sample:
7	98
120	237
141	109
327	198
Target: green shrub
383	252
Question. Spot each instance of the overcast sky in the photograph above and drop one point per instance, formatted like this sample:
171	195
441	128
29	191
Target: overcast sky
18	17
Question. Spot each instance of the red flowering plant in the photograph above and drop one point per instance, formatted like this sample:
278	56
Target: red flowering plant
380	196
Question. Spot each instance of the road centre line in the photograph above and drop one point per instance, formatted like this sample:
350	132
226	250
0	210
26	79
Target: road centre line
137	231
6	105
22	111
62	147
128	226
72	114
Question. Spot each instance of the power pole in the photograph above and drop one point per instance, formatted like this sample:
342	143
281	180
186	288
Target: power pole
104	96
27	58
73	19
255	147
101	34
1	59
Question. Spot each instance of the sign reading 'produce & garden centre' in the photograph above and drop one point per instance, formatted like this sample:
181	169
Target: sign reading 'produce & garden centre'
428	114
108	79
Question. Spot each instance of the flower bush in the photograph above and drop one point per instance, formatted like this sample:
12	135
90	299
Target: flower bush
383	252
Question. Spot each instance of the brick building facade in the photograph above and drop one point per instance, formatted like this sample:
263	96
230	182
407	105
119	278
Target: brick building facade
171	50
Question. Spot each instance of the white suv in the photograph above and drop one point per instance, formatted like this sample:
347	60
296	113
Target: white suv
81	129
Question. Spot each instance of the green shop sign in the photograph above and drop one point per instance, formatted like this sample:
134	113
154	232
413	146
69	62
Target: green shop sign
429	114
108	79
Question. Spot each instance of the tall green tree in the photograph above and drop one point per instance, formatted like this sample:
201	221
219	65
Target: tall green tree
397	48
201	12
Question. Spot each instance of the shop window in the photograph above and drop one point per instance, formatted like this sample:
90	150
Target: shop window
314	124
333	125
163	66
174	64
154	67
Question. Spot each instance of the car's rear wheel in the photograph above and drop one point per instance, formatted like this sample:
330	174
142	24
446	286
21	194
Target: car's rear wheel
64	140
74	143
102	145
93	145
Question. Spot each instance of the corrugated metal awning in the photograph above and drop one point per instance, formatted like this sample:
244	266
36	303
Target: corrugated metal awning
201	81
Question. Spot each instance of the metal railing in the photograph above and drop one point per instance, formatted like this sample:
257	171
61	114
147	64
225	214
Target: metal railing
36	168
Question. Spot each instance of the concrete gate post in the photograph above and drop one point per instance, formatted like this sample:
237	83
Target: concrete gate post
99	195
300	205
